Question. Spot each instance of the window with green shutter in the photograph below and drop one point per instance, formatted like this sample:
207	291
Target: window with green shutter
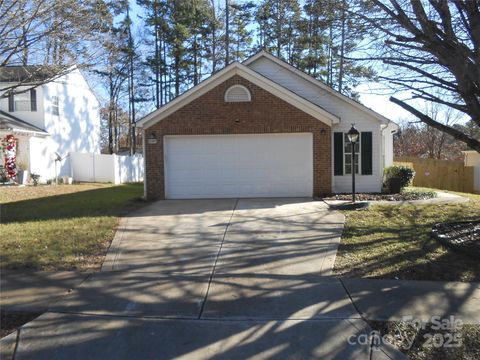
366	152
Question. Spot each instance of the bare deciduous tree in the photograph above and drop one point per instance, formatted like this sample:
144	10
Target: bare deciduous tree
420	140
432	49
54	34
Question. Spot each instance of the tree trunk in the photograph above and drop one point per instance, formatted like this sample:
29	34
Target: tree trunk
177	74
214	37
131	87
195	61
342	49
330	58
166	84
157	55
227	32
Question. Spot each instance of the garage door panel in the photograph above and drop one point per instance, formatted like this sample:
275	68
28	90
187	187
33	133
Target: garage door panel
216	166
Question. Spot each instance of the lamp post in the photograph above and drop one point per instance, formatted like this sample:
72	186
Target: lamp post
353	138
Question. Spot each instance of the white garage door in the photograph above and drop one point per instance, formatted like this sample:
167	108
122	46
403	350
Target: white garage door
217	166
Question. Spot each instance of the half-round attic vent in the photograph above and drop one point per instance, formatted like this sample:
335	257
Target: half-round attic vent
237	93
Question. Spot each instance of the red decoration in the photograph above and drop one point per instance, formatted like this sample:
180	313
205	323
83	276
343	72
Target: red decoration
10	150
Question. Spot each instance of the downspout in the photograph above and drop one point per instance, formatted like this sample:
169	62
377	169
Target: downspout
385	127
144	165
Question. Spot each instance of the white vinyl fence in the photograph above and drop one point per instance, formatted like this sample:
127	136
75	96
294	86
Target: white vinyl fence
117	169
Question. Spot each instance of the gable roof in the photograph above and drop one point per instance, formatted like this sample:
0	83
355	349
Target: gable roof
317	83
27	73
239	69
12	123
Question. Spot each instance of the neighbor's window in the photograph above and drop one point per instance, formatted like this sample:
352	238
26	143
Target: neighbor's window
22	101
348	154
55	109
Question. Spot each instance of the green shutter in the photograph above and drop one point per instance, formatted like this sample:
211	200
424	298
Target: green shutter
11	103
338	153
366	152
33	100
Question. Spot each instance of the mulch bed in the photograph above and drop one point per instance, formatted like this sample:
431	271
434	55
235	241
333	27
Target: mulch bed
406	196
11	321
463	236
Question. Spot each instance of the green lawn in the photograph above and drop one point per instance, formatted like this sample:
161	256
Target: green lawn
394	242
61	227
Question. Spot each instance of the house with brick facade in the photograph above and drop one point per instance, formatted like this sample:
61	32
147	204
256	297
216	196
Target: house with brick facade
262	128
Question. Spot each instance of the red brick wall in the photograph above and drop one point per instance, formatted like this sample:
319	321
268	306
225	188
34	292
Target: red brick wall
210	114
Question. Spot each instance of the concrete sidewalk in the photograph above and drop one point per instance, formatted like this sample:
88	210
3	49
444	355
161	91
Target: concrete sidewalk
249	296
382	299
117	314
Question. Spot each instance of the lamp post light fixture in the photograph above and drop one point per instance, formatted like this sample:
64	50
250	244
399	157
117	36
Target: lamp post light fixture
353	138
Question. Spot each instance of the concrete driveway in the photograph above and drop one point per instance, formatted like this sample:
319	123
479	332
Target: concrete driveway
202	279
261	236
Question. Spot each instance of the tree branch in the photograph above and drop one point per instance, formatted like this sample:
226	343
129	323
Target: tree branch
470	141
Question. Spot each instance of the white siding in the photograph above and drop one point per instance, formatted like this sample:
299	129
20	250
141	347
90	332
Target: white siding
388	145
77	127
23	150
346	112
472	158
33	117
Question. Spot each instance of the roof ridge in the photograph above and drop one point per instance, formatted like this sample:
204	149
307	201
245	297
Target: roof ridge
313	80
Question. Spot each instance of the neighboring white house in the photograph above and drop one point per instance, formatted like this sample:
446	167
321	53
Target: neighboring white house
58	117
472	158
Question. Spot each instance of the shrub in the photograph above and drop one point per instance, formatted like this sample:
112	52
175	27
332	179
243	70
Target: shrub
418	194
401	176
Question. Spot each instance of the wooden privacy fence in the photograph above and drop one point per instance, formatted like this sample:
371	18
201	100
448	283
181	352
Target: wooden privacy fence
440	174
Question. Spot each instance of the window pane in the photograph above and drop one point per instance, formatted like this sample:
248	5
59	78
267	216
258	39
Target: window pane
21	105
348	159
23	96
55	110
347	151
22	101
